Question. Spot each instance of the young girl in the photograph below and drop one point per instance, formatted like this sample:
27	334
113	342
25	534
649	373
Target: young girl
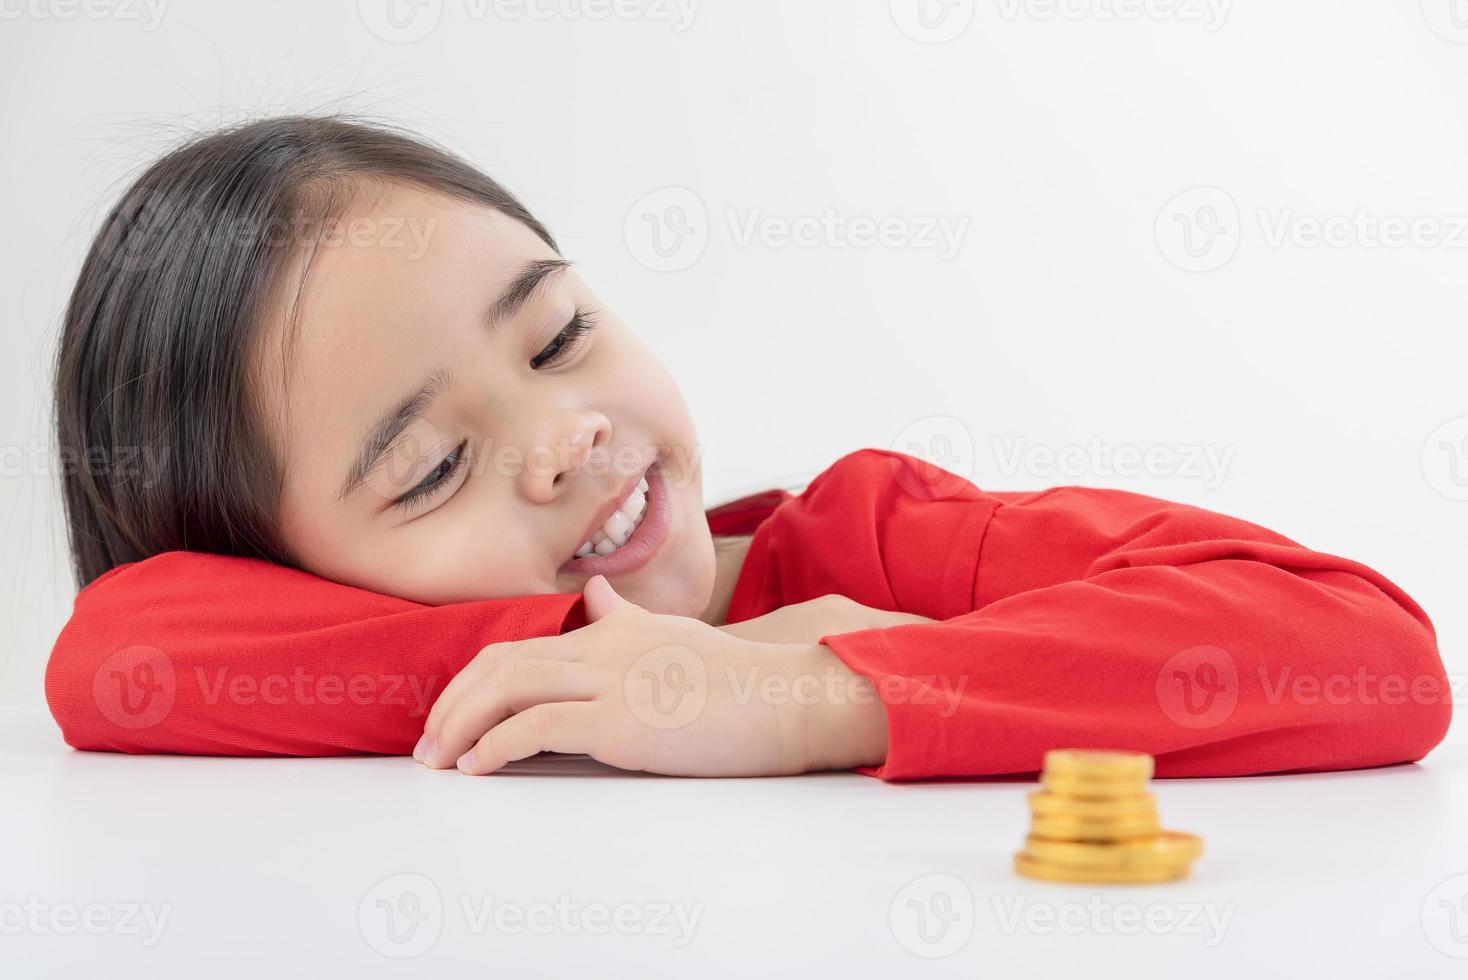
357	462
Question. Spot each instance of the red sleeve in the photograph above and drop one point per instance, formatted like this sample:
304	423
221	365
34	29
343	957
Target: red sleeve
198	653
207	654
1103	618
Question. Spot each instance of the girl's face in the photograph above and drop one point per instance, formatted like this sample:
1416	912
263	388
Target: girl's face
526	431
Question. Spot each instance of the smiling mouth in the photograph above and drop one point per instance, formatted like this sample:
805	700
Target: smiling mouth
618	529
632	534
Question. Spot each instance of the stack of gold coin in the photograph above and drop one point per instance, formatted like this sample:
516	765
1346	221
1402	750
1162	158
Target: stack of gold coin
1095	821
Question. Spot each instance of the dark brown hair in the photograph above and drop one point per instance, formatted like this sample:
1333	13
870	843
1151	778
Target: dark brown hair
158	426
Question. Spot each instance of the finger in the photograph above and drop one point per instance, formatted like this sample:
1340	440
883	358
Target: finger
601	599
755	630
568	726
775	626
744	630
909	619
555	648
510	686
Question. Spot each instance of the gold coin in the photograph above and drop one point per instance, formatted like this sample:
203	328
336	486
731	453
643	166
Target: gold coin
1093	789
1168	848
1100	829
1098	764
1056	805
1027	865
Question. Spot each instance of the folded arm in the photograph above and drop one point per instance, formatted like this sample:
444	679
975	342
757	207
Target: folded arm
207	654
1110	619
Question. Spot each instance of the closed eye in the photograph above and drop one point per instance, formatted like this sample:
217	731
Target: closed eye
565	344
568	341
434	481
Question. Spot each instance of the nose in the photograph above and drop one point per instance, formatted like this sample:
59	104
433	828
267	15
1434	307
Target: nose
581	441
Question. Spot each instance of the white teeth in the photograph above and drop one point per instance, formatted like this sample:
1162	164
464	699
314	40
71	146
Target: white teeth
619	527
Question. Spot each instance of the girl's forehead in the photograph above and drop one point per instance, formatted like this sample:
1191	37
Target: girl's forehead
403	224
405	280
399	257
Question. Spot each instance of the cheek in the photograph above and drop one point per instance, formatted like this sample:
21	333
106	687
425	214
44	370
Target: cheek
686	580
459	557
453	554
312	537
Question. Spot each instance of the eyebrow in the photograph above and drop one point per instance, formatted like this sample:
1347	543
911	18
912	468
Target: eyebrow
522	288
399	417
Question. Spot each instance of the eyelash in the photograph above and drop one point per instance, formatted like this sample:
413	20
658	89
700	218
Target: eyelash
570	339
566	343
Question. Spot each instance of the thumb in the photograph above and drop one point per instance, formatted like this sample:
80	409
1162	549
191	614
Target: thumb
602	600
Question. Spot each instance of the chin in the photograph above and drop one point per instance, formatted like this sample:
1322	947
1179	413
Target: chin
685	587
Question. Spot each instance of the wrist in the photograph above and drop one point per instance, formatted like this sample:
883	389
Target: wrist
843	722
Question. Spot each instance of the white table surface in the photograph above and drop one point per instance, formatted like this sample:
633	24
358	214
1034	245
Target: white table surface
153	866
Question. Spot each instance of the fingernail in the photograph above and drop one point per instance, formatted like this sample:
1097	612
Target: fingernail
466	760
418	748
427	757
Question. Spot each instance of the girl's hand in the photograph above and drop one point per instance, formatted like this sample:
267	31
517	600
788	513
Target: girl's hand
806	622
666	694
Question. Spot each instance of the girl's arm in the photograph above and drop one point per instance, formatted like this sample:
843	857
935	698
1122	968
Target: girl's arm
1111	619
199	653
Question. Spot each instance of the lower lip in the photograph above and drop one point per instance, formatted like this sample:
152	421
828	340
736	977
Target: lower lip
645	541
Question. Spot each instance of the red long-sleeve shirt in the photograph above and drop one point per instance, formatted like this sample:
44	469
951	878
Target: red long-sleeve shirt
1066	617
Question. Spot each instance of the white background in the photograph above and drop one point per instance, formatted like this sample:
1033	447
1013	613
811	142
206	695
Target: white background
1072	315
307	867
1055	138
